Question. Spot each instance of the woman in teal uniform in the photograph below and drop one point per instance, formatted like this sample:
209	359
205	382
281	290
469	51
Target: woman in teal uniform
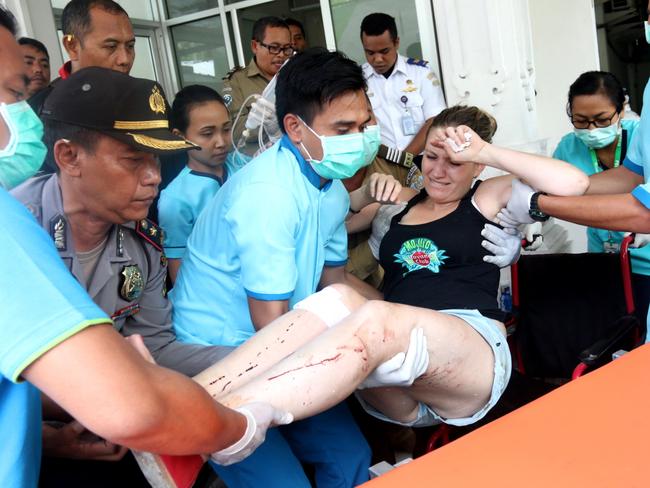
599	142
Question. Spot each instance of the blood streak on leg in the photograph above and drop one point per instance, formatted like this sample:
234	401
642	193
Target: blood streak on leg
319	363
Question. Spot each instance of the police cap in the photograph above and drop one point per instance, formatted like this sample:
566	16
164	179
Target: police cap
131	110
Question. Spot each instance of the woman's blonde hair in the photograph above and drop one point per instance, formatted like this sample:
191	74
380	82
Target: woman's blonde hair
473	117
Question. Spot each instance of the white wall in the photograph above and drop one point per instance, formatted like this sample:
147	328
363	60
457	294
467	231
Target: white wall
487	61
564	45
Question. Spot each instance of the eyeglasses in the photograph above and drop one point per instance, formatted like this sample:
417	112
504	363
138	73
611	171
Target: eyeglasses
286	50
599	122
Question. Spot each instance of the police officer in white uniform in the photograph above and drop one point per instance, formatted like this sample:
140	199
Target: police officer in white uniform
405	94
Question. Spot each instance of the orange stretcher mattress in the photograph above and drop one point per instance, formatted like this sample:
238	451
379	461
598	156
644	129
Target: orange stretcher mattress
594	431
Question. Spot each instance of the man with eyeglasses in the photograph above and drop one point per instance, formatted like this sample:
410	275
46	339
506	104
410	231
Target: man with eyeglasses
617	199
271	46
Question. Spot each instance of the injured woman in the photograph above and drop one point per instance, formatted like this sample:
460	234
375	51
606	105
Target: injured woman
435	350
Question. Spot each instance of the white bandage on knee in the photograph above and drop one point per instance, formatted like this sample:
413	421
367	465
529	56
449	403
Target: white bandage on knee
327	304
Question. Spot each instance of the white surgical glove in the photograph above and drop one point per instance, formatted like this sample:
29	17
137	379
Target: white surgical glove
516	211
640	240
504	244
533	236
262	112
259	416
403	368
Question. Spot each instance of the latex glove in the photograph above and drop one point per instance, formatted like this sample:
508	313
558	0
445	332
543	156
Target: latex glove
504	244
259	416
403	368
262	113
382	188
533	236
73	441
640	240
516	211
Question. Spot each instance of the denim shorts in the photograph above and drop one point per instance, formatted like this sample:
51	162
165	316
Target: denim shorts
502	368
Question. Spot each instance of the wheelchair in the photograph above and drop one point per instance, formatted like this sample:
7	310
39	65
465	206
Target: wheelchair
571	314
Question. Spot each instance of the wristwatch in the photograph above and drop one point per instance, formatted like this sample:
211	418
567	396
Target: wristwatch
535	213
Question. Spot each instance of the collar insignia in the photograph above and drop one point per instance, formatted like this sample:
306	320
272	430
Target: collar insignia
57	231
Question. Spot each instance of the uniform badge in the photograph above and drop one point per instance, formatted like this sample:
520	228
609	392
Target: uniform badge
131	282
433	78
410	87
228	99
57	231
157	101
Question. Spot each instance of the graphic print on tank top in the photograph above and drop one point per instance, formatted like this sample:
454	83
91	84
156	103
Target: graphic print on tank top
420	253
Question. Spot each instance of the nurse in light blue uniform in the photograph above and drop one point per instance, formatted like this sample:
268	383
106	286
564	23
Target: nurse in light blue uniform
267	237
638	159
600	141
198	114
274	249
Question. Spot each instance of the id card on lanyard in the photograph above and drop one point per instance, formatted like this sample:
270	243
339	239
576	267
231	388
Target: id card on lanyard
408	123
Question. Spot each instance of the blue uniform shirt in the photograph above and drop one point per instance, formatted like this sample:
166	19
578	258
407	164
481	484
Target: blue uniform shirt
183	199
267	235
638	156
574	151
41	305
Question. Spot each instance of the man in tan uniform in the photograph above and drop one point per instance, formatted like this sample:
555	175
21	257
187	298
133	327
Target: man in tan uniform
271	46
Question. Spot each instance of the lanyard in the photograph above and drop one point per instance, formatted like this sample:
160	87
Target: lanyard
617	155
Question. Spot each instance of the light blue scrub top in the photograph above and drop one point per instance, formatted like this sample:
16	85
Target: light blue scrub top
185	197
574	151
41	305
638	160
266	235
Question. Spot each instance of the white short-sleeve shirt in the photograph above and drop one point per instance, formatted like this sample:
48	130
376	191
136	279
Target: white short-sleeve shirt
411	86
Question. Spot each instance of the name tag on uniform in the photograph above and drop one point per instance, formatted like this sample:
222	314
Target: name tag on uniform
408	124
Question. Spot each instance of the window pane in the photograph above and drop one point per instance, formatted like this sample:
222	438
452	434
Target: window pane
347	17
200	52
176	8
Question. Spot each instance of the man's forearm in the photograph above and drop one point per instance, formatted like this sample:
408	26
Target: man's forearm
620	212
613	181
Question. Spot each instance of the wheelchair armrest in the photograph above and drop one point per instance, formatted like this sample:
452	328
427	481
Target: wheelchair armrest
596	352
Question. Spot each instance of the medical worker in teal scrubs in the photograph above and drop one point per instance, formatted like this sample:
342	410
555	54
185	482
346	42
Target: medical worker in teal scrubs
599	142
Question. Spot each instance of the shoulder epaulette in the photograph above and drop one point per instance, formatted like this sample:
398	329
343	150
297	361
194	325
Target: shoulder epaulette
417	62
232	72
150	232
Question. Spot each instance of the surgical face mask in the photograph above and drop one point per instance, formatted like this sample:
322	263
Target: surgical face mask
344	155
25	151
599	137
646	27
